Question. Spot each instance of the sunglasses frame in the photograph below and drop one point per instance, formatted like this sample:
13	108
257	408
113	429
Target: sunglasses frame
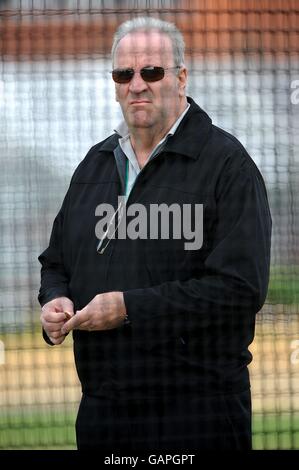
143	71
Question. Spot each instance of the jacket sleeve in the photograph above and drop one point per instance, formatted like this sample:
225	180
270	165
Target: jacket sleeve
236	270
54	278
54	275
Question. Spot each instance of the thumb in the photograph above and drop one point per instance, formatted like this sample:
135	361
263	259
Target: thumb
71	322
68	309
68	314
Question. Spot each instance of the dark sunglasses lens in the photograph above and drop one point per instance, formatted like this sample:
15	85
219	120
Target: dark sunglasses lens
152	74
122	76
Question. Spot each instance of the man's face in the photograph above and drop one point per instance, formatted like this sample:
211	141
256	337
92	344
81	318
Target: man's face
149	104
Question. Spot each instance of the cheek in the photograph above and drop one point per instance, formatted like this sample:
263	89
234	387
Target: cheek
167	91
120	92
117	95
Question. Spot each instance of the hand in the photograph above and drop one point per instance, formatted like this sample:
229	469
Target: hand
54	314
104	312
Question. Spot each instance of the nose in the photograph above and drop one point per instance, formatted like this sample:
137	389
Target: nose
137	84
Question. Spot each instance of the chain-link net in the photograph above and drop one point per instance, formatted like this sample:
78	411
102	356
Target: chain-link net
57	100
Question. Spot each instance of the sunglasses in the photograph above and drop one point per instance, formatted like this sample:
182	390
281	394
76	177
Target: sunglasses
148	74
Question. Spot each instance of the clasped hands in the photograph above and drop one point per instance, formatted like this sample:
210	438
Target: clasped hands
104	312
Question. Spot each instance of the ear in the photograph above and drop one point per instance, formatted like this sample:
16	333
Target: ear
182	80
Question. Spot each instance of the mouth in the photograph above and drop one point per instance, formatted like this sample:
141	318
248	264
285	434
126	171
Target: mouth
139	102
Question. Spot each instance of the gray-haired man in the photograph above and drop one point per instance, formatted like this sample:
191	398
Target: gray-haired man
161	333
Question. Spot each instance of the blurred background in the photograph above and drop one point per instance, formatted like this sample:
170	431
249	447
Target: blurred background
57	100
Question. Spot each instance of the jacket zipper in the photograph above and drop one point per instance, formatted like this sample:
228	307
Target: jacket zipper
113	244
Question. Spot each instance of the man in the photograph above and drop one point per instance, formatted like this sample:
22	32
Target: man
161	326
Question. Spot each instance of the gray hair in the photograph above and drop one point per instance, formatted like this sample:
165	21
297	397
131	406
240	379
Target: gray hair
146	23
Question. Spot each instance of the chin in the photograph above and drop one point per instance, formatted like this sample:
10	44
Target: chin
140	119
140	123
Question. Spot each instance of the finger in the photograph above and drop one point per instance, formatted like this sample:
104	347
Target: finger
68	315
52	326
56	334
57	340
53	317
74	322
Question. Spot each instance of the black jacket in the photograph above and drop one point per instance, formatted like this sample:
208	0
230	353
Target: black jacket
192	313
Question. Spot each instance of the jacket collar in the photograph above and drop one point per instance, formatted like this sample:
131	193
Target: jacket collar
189	139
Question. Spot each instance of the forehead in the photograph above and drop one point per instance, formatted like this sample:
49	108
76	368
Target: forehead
147	46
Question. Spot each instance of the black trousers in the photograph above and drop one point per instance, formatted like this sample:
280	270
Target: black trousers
221	422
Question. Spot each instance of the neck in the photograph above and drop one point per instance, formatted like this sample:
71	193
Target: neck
144	140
